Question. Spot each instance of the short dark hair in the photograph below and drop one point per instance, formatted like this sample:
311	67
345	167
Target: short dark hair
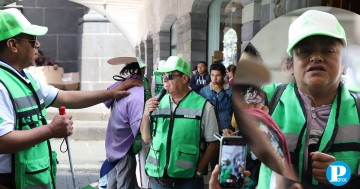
133	69
3	45
194	68
231	68
202	62
218	66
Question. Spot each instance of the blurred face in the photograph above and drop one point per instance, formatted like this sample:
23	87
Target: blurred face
229	74
27	47
216	77
173	82
317	62
201	68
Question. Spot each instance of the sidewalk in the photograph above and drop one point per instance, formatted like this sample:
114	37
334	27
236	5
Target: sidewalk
87	158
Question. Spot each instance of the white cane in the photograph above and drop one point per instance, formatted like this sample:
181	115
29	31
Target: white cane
62	111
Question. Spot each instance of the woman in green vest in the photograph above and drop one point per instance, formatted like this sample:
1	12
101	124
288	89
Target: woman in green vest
316	111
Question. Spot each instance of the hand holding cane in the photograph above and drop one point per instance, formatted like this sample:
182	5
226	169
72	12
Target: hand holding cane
62	111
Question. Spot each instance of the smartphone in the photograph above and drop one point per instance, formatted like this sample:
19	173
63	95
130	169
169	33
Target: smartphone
232	161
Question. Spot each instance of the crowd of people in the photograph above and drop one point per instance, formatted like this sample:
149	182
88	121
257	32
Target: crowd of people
296	130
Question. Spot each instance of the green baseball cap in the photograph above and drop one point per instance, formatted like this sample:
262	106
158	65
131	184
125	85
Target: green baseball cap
141	63
174	63
13	22
314	22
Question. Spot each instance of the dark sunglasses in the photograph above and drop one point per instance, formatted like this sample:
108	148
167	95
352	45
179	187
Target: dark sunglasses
31	41
170	76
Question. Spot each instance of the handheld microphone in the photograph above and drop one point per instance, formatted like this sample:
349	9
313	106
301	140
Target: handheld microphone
161	95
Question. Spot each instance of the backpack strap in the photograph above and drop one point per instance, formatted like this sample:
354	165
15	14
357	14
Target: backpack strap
356	96
276	97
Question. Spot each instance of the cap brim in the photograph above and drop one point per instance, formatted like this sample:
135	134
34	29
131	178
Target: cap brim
121	60
164	70
36	30
291	46
141	65
251	73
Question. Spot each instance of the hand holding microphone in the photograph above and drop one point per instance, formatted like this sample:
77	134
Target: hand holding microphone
153	102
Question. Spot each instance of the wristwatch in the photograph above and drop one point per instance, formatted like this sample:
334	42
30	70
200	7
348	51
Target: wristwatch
199	174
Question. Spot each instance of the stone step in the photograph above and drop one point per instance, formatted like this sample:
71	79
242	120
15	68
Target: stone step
94	113
87	155
89	130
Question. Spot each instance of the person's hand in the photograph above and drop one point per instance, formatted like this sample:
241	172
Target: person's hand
214	179
128	83
61	126
227	132
150	105
120	90
56	66
258	106
320	162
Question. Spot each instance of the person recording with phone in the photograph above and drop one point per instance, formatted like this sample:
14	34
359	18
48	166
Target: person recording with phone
178	126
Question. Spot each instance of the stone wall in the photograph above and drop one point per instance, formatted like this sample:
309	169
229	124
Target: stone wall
61	17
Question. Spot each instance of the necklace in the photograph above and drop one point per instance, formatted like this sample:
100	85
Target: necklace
313	114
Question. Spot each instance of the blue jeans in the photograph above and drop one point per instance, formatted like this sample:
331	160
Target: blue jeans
190	183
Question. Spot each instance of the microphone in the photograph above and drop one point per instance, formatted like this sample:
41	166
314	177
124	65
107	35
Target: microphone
161	95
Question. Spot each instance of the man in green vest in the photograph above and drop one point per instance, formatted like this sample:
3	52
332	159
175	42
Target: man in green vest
26	158
316	111
157	81
179	128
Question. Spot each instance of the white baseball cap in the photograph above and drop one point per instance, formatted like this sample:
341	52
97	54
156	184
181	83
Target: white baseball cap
13	22
161	64
314	22
174	63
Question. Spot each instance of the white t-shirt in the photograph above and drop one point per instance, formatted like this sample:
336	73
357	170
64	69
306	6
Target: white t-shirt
7	113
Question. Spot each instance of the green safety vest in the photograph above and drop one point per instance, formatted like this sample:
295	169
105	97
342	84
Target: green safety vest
158	84
137	144
34	167
175	146
146	89
345	143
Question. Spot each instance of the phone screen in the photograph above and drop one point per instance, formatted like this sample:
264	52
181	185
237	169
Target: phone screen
232	161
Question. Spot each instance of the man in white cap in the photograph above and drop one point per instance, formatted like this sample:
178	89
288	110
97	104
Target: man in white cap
316	111
157	82
26	158
177	128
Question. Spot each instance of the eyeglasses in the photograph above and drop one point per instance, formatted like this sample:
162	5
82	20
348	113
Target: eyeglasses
31	41
170	76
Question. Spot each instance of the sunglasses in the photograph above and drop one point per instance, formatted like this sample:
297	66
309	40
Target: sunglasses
32	41
170	76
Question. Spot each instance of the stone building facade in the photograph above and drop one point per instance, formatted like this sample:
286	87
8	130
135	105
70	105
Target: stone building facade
80	39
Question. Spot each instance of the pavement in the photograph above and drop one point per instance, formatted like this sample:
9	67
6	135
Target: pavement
87	146
87	158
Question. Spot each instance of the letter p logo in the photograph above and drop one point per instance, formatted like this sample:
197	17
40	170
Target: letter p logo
338	173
